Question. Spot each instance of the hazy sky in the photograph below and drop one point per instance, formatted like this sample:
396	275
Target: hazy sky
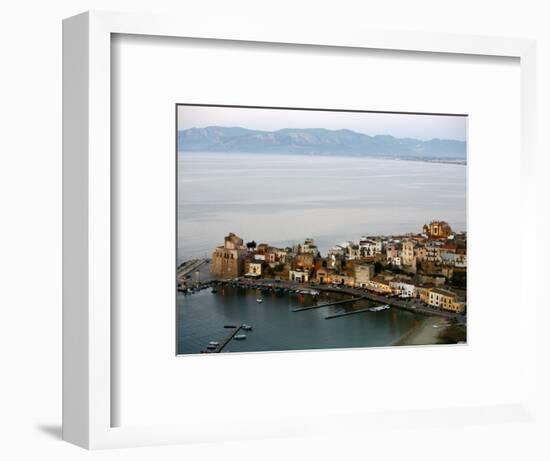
398	125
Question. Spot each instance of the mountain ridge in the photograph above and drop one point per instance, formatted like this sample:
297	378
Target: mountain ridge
316	141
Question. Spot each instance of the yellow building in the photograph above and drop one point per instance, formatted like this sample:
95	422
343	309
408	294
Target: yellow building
446	300
379	285
437	230
424	293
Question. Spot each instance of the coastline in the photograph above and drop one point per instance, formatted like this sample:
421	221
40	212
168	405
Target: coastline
442	161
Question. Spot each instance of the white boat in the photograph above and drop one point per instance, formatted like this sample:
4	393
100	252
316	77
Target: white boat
214	343
240	337
259	300
379	308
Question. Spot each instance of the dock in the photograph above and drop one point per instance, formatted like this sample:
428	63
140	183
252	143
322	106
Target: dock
227	339
343	314
334	303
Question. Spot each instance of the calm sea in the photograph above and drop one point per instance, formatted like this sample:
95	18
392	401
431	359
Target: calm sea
201	318
282	199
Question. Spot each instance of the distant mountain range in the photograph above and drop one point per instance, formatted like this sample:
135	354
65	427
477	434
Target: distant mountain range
317	141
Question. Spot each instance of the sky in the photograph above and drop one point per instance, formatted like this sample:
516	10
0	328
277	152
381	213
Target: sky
416	126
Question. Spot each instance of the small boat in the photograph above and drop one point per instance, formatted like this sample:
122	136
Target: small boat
246	327
240	337
211	346
259	300
213	343
379	308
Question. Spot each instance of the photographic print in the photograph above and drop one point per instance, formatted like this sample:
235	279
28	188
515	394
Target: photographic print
301	229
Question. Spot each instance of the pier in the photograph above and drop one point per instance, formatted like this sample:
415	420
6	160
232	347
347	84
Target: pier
229	338
343	314
334	303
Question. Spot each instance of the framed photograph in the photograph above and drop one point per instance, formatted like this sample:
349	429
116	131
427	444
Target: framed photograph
260	225
342	213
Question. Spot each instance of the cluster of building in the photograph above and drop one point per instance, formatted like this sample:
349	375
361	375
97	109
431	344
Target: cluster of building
409	266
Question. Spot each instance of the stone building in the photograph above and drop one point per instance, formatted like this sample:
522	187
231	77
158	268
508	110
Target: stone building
228	259
343	279
437	230
363	274
407	253
304	261
323	275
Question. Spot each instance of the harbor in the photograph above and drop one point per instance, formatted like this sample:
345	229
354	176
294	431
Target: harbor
216	314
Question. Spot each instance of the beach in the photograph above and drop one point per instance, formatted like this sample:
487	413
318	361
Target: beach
423	333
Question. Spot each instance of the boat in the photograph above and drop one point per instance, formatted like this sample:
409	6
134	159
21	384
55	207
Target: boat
213	343
379	308
240	337
259	300
246	327
211	347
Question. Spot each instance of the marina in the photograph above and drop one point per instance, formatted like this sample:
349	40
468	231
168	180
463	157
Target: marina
206	317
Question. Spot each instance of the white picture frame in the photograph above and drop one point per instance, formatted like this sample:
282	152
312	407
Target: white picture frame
87	360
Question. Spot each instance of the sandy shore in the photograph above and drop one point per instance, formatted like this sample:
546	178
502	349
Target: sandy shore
423	333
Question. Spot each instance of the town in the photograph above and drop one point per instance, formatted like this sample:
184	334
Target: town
429	266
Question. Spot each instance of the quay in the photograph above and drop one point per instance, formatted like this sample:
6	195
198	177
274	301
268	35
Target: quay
285	285
334	303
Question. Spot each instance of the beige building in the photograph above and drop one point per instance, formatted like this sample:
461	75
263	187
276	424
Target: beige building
363	274
254	269
298	276
407	253
308	247
228	259
379	285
